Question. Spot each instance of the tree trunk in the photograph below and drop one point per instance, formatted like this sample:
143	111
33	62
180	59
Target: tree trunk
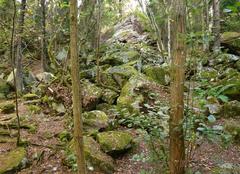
18	61
177	149
77	106
216	25
12	55
44	51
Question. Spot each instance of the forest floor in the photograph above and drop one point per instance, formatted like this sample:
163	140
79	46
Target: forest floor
46	153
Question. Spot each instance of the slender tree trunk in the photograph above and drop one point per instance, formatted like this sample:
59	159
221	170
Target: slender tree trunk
216	25
18	63
98	35
44	51
77	107
177	149
12	54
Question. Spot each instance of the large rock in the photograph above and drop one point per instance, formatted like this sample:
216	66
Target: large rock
233	127
11	161
7	108
120	74
94	121
158	73
95	157
45	77
231	109
120	57
109	96
91	95
130	96
114	141
4	88
10	78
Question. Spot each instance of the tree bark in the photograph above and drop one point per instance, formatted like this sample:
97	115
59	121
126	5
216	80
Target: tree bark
216	25
77	106
177	148
44	51
12	55
18	61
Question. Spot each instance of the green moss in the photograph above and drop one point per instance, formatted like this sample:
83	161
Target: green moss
34	109
11	161
94	121
30	96
129	97
233	127
4	88
114	141
7	108
109	96
231	109
95	158
158	74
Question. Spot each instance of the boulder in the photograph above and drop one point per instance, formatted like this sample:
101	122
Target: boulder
29	79
7	108
120	74
213	106
130	96
10	78
109	96
30	96
120	57
11	161
113	142
233	127
237	65
45	77
4	88
91	95
158	73
93	121
95	157
231	109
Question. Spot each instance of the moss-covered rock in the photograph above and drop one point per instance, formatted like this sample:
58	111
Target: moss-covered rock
233	127
91	95
4	88
120	57
237	65
114	141
30	96
7	108
208	74
130	96
158	74
95	157
109	96
119	75
12	161
231	38
231	109
94	121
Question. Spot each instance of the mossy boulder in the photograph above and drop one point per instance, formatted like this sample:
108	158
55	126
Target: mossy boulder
7	108
91	95
117	76
225	58
120	57
208	74
30	96
237	65
130	96
94	121
95	157
115	141
231	38
231	109
4	88
13	160
109	96
158	73
233	127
